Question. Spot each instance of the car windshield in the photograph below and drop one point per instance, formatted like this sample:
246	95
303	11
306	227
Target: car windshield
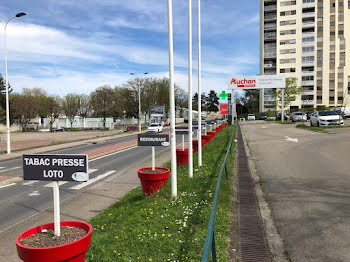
250	115
327	113
298	114
154	124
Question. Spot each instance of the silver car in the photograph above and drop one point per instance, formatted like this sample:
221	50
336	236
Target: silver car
298	116
326	118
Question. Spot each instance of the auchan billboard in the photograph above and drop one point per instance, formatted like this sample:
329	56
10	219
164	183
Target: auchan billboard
257	82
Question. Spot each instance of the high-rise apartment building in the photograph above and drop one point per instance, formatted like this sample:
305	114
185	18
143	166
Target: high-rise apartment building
309	40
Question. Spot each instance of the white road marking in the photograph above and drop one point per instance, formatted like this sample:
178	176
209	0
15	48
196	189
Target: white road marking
12	168
263	126
111	154
295	140
2	167
12	184
64	182
84	184
35	193
29	183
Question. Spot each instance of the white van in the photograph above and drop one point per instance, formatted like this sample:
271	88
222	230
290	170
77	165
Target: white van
345	110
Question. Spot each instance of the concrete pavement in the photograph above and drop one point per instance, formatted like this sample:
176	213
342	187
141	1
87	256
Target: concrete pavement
306	185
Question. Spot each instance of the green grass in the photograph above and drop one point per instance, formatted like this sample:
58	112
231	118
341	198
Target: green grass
284	122
56	142
312	128
162	228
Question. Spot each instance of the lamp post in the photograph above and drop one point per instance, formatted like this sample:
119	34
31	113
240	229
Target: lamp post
139	91
7	84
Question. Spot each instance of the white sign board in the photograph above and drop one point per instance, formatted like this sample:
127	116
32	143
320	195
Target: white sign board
257	82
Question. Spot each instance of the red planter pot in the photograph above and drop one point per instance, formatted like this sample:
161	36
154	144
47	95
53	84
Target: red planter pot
195	144
152	182
212	133
182	156
72	252
207	138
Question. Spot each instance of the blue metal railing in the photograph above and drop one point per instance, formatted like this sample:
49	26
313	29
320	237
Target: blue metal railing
209	244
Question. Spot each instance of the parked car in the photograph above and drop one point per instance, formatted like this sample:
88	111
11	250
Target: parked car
32	126
326	118
251	117
308	114
58	129
298	116
339	112
345	110
155	127
279	116
262	116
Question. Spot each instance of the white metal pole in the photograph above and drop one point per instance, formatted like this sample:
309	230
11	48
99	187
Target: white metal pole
183	142
232	106
56	205
139	108
172	101
199	88
190	141
7	97
282	114
153	158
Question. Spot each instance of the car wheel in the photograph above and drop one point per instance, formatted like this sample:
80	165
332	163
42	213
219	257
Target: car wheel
311	123
318	124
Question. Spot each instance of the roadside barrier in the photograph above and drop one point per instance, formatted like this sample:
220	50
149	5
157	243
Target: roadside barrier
209	244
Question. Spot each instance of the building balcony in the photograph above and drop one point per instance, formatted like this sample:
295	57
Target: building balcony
307	102
308	92
307	82
269	65
270	17
309	14
305	5
270	26
269	55
270	36
308	24
270	7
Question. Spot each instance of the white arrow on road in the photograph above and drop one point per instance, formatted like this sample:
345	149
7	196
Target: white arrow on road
35	193
291	139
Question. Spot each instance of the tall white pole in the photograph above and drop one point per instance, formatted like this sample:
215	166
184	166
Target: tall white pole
199	88
7	97
153	158
190	145
282	114
233	109
172	102
139	108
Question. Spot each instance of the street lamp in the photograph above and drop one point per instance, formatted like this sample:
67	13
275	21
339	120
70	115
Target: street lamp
7	84
139	91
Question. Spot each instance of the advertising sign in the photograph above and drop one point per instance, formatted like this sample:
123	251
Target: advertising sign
181	130
153	140
157	111
55	167
257	82
223	109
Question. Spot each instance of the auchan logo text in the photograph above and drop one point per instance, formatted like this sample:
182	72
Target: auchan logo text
243	82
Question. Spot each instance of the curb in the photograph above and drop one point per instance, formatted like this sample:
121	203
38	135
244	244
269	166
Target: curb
274	240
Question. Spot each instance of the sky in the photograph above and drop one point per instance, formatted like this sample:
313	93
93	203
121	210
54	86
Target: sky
66	46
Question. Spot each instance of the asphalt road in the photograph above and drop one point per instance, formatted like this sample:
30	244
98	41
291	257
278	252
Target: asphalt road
22	199
306	182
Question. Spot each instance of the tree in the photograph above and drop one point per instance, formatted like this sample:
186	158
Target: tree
102	102
71	106
23	108
212	101
251	100
85	106
290	92
195	101
3	99
54	104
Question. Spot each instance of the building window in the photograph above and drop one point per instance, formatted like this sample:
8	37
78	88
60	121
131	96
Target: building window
331	42
308	59
283	23
319	58
292	51
282	42
308	1
292	41
340	32
319	87
331	70
320	29
319	48
282	32
331	98
341	23
293	32
320	9
319	39
332	23
342	41
282	70
319	68
340	98
293	22
308	39
332	32
293	2
340	80
292	70
340	70
331	80
340	13
331	61
332	5
307	78
282	13
319	78
341	3
319	19
293	12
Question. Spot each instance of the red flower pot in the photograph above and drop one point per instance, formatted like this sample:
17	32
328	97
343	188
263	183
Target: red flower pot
151	182
212	133
182	156
195	144
72	252
206	138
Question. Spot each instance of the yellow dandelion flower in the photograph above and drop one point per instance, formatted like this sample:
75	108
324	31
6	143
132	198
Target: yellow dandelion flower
116	237
109	214
150	259
147	217
118	254
163	235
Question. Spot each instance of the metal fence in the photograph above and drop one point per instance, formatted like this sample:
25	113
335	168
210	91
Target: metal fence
209	244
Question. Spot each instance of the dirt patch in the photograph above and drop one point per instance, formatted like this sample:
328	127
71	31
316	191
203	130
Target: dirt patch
150	171
47	238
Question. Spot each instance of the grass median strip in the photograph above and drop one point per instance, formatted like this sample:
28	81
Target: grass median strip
162	228
312	128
